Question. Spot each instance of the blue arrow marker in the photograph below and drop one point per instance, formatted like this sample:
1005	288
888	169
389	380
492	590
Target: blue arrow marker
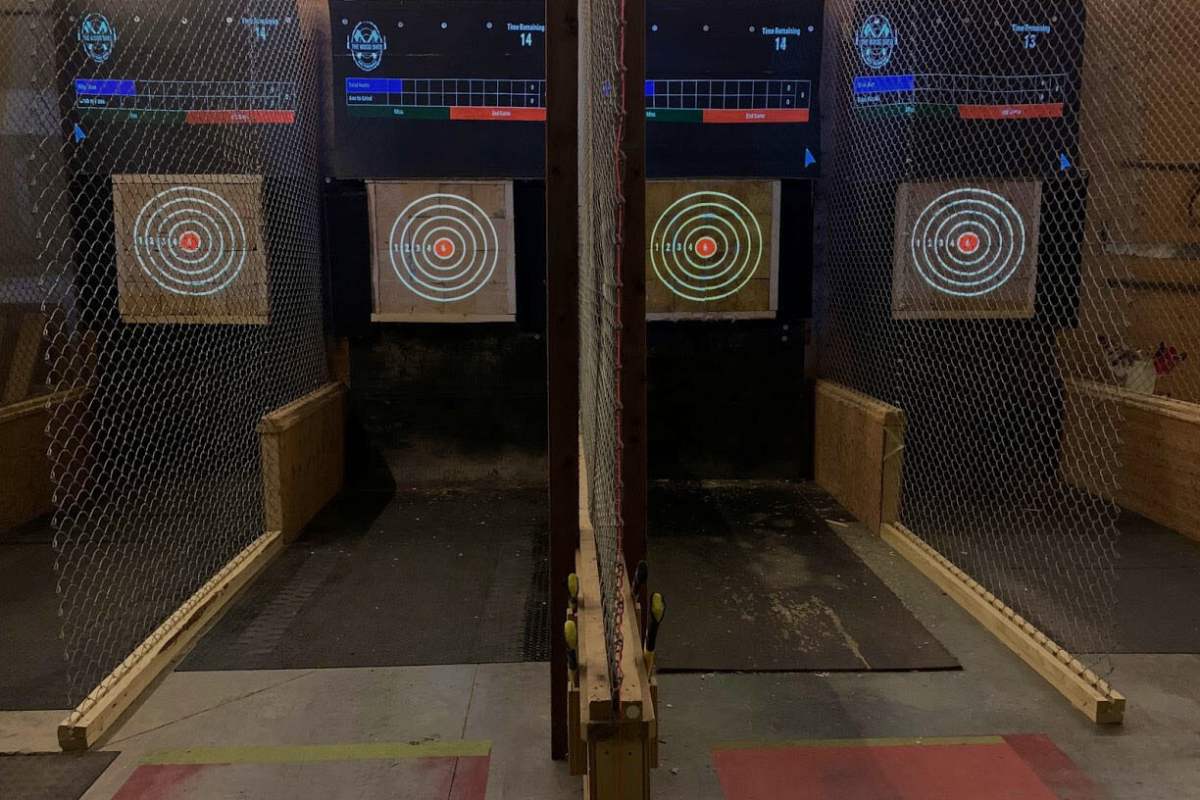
80	135
1064	163
809	158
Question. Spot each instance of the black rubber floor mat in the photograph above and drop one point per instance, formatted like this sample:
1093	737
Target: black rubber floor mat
755	581
419	578
51	776
33	675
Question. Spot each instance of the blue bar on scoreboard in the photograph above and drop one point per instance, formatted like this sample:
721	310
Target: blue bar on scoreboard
649	88
359	85
870	84
105	87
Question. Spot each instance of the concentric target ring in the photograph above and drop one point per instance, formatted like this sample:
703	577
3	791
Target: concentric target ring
190	241
706	246
968	242
444	247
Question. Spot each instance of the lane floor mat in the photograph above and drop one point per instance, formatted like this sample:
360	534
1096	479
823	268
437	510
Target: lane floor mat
51	776
755	581
419	578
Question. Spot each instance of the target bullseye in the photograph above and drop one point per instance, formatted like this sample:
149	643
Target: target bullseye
444	247
706	246
190	241
968	242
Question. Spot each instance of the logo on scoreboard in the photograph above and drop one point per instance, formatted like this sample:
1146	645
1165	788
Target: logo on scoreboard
366	44
876	41
98	37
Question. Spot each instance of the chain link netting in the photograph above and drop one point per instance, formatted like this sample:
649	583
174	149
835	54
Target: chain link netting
1012	219
602	117
165	204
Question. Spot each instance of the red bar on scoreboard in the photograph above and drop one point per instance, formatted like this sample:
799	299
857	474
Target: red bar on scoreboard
498	113
260	117
729	116
1016	111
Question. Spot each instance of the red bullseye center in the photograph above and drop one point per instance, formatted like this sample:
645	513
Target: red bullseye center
706	247
443	248
968	243
189	241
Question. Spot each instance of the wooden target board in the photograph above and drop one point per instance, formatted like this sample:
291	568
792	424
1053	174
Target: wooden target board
966	250
712	249
189	249
443	251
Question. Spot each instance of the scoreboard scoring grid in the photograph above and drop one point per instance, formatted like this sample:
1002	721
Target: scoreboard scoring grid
448	98
971	96
728	101
190	102
713	101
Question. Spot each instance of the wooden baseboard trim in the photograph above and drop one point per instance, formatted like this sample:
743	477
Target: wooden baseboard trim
101	709
1083	688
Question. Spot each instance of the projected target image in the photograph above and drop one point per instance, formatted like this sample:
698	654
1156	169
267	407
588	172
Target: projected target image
190	241
189	249
443	252
712	249
966	250
444	247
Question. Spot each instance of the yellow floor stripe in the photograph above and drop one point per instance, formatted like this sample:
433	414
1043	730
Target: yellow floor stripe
299	754
896	742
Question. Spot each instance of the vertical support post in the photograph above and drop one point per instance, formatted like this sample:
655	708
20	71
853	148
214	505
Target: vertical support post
562	334
633	298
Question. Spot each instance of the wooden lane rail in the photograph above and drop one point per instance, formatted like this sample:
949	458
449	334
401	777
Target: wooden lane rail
612	744
1083	688
302	469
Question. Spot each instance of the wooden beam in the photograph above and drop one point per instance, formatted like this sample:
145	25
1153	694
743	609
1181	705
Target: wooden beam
117	693
562	333
858	452
303	458
1156	458
26	484
27	353
1083	688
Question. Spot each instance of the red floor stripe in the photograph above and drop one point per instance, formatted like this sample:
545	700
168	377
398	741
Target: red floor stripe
896	772
1054	767
159	782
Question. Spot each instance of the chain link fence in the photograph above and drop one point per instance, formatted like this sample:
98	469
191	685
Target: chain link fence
602	119
165	198
1011	223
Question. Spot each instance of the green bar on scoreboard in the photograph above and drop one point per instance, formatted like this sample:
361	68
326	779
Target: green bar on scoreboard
401	112
674	115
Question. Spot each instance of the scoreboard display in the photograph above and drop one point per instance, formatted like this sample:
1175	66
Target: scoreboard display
425	88
731	88
152	63
190	75
961	82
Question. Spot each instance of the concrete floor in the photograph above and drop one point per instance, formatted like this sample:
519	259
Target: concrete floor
1155	754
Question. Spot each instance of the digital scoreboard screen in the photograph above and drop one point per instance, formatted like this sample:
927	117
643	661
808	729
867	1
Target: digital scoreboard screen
731	88
211	63
438	89
976	79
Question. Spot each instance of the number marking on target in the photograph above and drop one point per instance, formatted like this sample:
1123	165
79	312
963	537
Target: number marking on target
968	242
190	241
444	247
706	246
